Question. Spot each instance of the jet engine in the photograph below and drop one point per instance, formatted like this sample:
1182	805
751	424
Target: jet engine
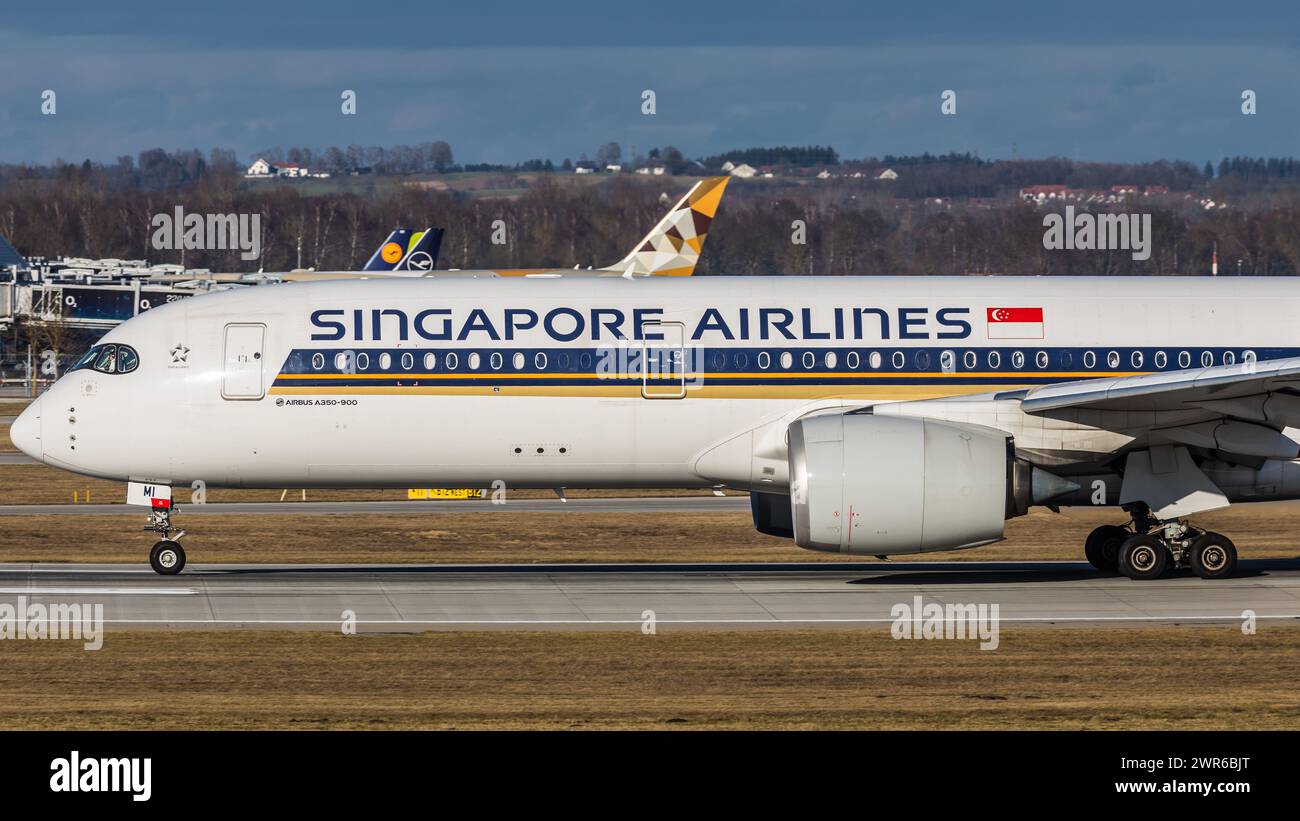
874	485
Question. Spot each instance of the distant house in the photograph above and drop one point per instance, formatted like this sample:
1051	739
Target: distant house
290	169
1155	190
584	167
728	166
823	174
260	168
768	171
885	174
614	168
744	171
1040	193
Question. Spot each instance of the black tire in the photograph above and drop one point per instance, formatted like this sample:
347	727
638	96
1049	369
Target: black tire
167	558
1143	557
1214	556
1102	547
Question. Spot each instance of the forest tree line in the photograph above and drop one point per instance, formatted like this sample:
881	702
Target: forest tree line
846	229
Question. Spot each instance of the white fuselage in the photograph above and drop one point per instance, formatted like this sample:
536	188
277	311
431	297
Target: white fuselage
463	382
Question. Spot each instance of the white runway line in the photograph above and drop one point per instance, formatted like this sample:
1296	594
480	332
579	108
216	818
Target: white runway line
1234	617
97	591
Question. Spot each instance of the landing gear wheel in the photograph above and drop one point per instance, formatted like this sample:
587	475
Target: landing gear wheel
1102	547
167	558
1214	556
1143	557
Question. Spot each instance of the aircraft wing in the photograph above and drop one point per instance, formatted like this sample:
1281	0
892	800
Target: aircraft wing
1231	390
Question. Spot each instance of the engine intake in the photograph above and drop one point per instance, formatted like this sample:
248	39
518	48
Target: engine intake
874	485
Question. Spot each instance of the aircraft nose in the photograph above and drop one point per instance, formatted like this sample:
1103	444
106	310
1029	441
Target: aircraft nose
25	432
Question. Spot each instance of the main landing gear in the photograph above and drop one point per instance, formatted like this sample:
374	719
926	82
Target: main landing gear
1149	547
167	557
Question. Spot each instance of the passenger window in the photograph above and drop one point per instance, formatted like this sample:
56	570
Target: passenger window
922	360
1207	359
831	360
1161	360
898	360
1184	359
1089	359
970	360
317	361
1112	359
853	360
1135	359
1229	357
995	360
1018	360
809	359
787	359
1041	359
875	360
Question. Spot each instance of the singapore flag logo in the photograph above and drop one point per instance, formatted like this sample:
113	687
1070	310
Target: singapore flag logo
1015	323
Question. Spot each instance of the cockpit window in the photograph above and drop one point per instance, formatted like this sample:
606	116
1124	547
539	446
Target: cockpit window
126	359
109	359
88	358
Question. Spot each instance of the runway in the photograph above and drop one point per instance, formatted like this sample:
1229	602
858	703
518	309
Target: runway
640	504
405	598
7	458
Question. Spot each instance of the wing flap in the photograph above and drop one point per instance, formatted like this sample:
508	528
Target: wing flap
1172	390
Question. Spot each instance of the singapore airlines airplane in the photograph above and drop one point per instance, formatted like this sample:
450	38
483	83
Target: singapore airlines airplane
865	415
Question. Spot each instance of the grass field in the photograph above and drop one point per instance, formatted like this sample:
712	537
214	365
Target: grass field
1158	678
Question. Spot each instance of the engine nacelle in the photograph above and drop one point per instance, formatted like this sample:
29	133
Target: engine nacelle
861	483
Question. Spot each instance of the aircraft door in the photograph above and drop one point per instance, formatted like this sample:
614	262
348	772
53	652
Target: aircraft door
663	361
242	362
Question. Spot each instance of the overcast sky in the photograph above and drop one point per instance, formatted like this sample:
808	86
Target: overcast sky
504	82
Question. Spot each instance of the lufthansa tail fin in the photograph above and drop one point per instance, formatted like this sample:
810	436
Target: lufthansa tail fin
407	250
674	246
390	252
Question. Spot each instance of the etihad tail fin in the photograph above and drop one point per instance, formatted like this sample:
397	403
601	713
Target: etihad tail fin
673	247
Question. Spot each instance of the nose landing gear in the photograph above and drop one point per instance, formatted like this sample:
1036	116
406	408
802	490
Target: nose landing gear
167	557
1149	548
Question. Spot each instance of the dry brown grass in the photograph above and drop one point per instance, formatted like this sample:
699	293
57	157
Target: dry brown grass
1197	678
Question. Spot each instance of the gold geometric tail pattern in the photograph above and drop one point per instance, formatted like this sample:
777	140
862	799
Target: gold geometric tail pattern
673	247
